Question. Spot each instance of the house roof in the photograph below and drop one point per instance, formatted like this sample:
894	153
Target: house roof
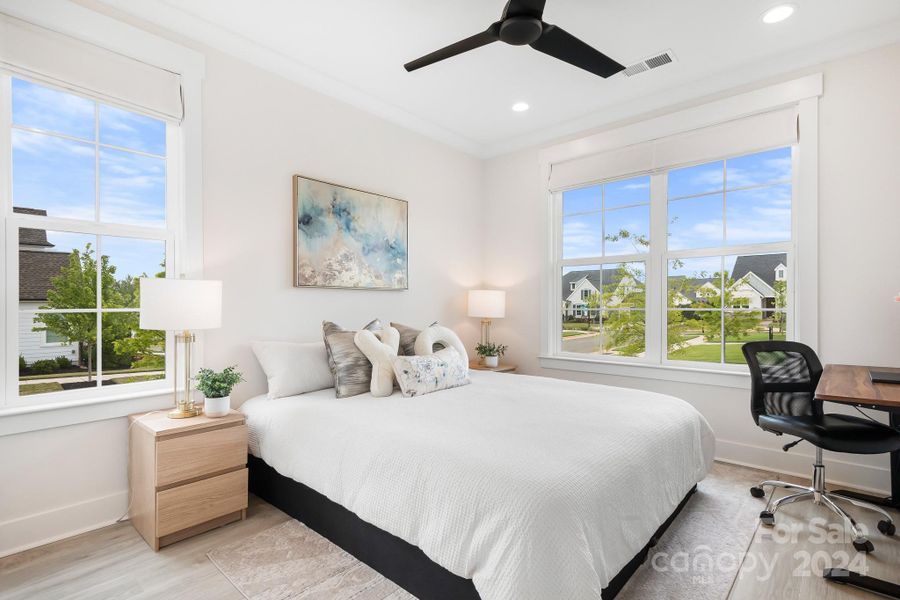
762	265
37	268
693	284
32	237
594	276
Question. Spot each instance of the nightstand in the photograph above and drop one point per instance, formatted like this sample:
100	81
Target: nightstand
502	368
186	476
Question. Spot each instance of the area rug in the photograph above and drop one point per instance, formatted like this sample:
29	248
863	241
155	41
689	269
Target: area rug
698	557
292	562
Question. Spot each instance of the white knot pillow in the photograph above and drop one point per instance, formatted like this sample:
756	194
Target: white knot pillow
381	353
438	334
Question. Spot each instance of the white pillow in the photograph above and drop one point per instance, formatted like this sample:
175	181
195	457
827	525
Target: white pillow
293	367
418	375
381	353
438	334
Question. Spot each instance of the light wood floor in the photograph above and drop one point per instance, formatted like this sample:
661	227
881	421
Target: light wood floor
798	560
114	562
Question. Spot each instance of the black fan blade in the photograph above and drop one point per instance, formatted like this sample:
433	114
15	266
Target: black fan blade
491	34
524	8
561	44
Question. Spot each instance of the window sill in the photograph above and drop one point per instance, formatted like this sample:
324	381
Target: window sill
699	376
34	417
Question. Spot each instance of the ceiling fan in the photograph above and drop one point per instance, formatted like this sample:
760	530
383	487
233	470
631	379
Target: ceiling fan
521	24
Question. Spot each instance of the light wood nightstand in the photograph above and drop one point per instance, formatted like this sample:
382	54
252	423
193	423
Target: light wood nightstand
186	476
502	368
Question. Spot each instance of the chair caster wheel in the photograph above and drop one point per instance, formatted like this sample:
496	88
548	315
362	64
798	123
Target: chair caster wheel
767	518
757	492
863	545
887	528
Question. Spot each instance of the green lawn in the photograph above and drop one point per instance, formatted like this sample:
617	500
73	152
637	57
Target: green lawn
135	379
39	388
83	373
711	352
566	334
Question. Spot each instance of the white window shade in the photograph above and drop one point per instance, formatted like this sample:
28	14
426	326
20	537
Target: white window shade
70	63
741	136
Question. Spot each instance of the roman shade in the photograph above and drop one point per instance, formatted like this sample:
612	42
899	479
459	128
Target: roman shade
69	63
745	135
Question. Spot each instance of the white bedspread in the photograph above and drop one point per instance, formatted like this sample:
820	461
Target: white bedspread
534	488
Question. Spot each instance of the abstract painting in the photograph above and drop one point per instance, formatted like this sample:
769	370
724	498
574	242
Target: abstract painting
347	238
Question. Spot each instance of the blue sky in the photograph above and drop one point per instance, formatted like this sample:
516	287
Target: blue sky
716	211
60	174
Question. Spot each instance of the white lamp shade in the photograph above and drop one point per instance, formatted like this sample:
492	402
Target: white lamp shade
487	304
180	304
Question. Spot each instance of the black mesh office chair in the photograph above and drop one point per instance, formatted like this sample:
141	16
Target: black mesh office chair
784	376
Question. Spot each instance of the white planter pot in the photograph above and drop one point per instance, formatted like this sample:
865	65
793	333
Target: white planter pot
491	361
216	407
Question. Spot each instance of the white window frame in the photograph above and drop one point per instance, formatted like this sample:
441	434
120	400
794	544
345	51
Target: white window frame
184	242
801	250
14	221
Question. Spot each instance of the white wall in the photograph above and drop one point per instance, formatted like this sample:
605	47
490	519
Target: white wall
859	260
258	131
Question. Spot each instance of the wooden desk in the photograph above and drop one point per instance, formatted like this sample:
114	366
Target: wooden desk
851	384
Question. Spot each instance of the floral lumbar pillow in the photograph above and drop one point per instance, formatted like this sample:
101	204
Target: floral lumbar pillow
381	350
418	375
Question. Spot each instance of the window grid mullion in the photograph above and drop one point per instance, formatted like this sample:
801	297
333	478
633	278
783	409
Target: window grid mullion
94	228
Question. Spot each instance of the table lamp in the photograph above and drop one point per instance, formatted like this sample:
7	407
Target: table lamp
487	305
182	306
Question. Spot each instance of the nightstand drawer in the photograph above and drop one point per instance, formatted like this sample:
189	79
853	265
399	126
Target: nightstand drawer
189	456
188	505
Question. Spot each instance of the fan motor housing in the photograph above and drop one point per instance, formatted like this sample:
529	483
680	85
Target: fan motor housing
519	31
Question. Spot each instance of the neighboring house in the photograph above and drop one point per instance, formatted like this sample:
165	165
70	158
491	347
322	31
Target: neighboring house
38	265
579	286
754	278
689	289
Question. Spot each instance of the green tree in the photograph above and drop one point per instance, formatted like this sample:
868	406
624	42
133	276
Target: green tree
625	298
141	342
76	288
778	318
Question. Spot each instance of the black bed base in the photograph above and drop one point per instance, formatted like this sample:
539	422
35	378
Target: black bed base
398	560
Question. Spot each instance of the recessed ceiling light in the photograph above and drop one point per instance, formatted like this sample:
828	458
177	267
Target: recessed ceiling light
520	106
777	14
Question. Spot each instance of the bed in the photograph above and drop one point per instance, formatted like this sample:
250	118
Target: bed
513	487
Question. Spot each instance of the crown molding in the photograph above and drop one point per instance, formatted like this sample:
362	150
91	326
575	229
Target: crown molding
178	20
748	74
192	26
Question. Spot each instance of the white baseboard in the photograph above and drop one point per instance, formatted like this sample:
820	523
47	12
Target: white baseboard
42	528
838	472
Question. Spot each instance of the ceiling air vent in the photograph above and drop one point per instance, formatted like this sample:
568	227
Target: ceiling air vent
654	62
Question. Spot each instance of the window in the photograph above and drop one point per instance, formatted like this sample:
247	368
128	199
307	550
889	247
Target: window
606	224
88	213
716	274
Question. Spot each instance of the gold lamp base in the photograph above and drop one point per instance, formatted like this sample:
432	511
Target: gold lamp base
185	414
184	404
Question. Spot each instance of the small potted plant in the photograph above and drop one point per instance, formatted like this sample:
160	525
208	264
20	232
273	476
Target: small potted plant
216	389
490	353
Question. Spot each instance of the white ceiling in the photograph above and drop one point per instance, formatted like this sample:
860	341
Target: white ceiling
355	49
